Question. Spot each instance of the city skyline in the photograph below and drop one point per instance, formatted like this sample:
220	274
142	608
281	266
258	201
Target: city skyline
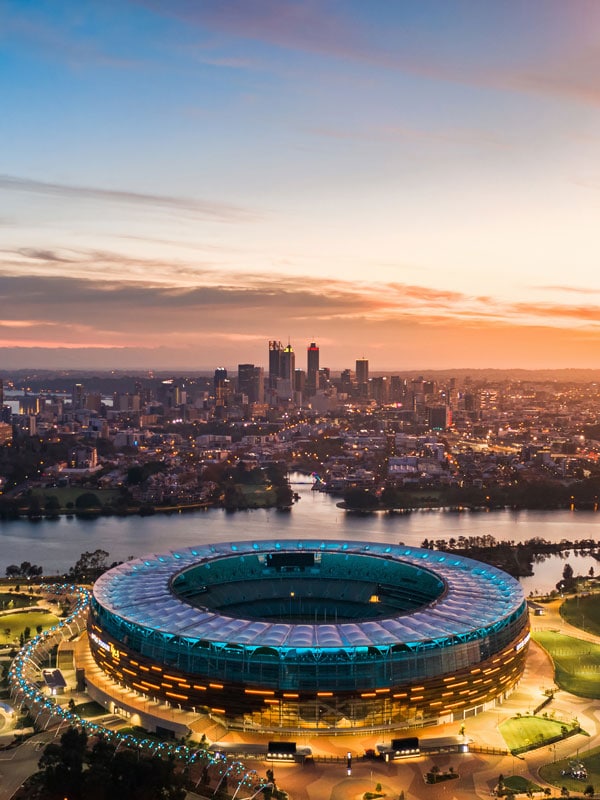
411	182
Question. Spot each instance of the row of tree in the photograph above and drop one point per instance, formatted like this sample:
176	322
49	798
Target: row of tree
24	570
70	769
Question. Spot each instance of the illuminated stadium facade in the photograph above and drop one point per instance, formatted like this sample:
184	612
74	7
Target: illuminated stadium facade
312	634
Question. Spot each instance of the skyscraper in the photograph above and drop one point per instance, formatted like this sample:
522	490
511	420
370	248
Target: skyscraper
222	387
275	354
288	364
251	382
312	369
362	370
77	396
362	377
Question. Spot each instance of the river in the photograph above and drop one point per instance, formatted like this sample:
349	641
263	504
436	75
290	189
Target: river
57	544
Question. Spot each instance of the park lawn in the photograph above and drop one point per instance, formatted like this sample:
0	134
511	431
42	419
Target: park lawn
576	662
552	772
518	784
16	623
10	600
68	495
258	494
583	612
530	732
89	710
426	497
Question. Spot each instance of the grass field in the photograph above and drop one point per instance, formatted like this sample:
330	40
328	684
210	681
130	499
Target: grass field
583	612
89	710
530	732
576	662
15	600
552	772
519	784
13	625
257	493
67	495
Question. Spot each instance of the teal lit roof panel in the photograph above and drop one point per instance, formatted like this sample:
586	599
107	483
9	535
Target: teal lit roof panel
476	597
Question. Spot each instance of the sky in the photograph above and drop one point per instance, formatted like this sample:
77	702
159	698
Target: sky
416	182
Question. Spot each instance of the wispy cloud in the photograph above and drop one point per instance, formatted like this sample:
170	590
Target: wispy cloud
568	70
229	300
562	288
582	313
397	133
56	43
213	210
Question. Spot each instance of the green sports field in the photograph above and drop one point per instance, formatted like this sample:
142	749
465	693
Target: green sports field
576	662
583	612
552	773
519	784
528	732
13	625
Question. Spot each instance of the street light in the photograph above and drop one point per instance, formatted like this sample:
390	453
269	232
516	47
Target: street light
250	772
222	778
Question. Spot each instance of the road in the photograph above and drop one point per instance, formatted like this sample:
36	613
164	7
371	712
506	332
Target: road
20	762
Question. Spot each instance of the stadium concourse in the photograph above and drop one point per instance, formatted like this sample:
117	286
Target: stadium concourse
306	636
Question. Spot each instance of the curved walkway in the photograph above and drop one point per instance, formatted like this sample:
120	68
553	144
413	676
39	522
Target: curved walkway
478	773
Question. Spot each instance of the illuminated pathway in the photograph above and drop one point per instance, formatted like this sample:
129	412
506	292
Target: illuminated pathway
25	693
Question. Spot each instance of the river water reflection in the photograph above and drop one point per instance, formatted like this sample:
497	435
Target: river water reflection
56	545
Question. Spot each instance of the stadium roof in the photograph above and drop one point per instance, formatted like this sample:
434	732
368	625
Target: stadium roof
477	598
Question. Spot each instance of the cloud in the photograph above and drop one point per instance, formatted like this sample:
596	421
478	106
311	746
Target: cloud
56	43
566	68
218	211
69	298
572	289
396	133
300	25
43	255
581	313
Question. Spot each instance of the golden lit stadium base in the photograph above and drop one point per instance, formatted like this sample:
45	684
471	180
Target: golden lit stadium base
303	637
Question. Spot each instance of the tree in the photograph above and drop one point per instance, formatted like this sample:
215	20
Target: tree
360	500
61	765
52	505
69	770
24	570
34	509
284	496
89	566
568	580
87	501
589	790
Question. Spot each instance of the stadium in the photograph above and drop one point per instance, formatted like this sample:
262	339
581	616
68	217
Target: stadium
315	635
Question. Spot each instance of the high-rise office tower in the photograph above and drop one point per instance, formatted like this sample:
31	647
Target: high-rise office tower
346	381
300	381
362	370
275	358
312	368
77	396
362	377
251	382
288	364
221	386
380	389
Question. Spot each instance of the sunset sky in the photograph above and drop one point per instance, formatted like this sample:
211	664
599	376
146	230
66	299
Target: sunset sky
412	181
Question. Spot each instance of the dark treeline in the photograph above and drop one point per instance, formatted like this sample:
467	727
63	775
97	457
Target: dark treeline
516	558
